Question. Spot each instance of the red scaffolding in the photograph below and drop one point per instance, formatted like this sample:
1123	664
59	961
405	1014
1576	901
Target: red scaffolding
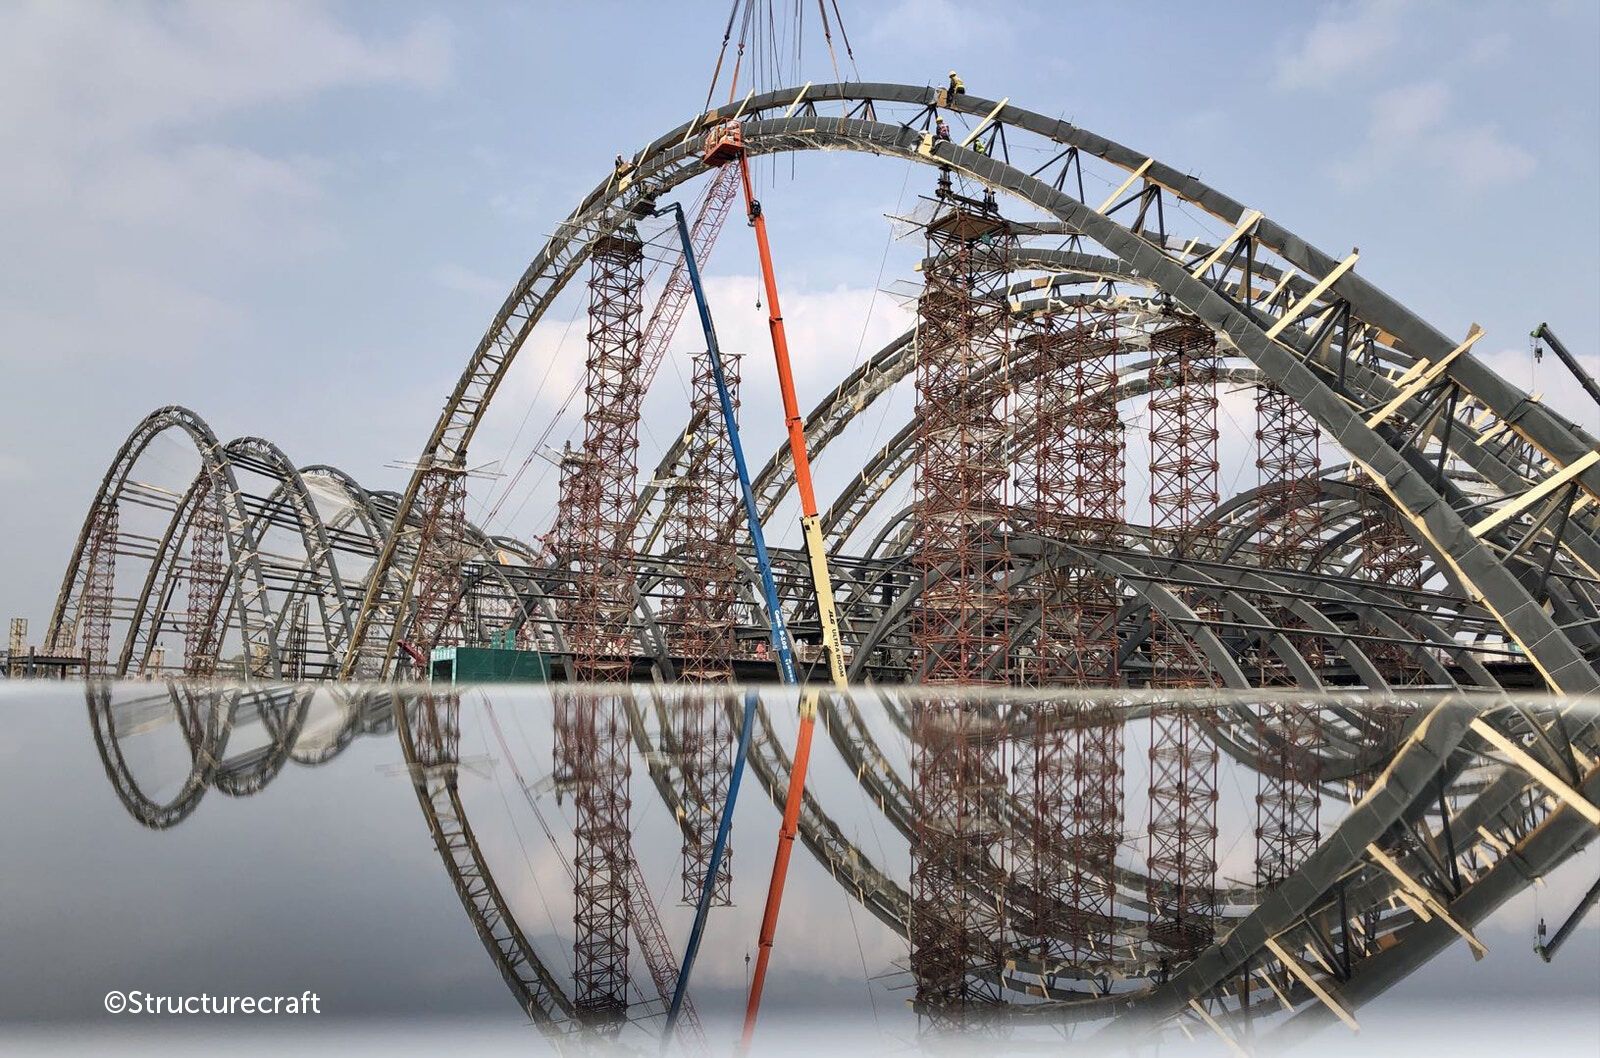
1183	762
960	624
592	740
1288	731
699	621
1070	472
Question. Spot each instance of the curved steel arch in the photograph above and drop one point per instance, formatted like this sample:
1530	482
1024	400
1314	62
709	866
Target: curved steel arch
250	603
672	159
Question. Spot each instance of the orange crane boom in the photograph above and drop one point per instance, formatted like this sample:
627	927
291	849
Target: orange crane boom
723	145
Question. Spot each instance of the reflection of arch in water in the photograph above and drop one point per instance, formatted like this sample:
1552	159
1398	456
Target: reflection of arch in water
1505	829
206	719
1342	874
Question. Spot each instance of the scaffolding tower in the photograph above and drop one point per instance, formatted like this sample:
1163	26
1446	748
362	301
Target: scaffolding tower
700	621
1288	804
1070	472
592	739
960	623
207	583
1182	829
94	609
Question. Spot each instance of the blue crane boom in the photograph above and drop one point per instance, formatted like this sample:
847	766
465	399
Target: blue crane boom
779	634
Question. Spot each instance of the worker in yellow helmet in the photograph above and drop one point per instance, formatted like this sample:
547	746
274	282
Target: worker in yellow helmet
958	87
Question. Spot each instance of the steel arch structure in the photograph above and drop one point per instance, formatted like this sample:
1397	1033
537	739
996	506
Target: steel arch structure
1464	460
674	158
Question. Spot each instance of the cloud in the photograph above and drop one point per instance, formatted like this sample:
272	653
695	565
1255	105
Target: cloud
136	68
1351	38
122	185
1409	130
14	468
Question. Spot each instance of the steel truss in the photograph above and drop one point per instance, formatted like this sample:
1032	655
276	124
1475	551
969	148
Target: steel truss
1485	586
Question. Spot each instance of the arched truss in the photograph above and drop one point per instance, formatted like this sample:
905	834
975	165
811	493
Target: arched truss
1393	336
1444	466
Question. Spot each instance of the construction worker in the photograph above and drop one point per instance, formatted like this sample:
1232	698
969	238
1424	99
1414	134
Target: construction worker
980	147
622	165
941	131
958	87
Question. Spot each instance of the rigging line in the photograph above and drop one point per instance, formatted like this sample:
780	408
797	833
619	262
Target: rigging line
738	62
517	831
883	262
549	367
722	52
827	35
845	36
861	952
883	416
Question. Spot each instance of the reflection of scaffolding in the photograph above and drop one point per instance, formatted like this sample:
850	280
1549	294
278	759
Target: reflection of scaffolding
960	623
1183	763
1070	482
1288	731
207	582
592	751
94	608
592	732
700	622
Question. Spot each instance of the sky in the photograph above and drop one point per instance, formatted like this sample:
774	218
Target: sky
297	219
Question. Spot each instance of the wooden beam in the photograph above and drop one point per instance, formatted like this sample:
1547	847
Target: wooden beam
980	126
803	90
1136	174
1211	1023
1425	896
1246	222
1534	495
1312	295
1545	777
1314	986
1410	387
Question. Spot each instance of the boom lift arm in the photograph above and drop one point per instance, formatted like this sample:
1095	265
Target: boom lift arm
779	634
725	144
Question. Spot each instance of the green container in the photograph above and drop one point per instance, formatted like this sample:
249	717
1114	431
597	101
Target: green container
487	665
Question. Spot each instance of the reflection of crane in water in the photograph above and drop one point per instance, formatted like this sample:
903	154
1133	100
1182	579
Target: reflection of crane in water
1439	831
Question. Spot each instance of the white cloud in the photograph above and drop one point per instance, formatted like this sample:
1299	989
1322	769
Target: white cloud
1350	38
1480	157
121	177
98	72
464	280
825	329
1401	113
1409	130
